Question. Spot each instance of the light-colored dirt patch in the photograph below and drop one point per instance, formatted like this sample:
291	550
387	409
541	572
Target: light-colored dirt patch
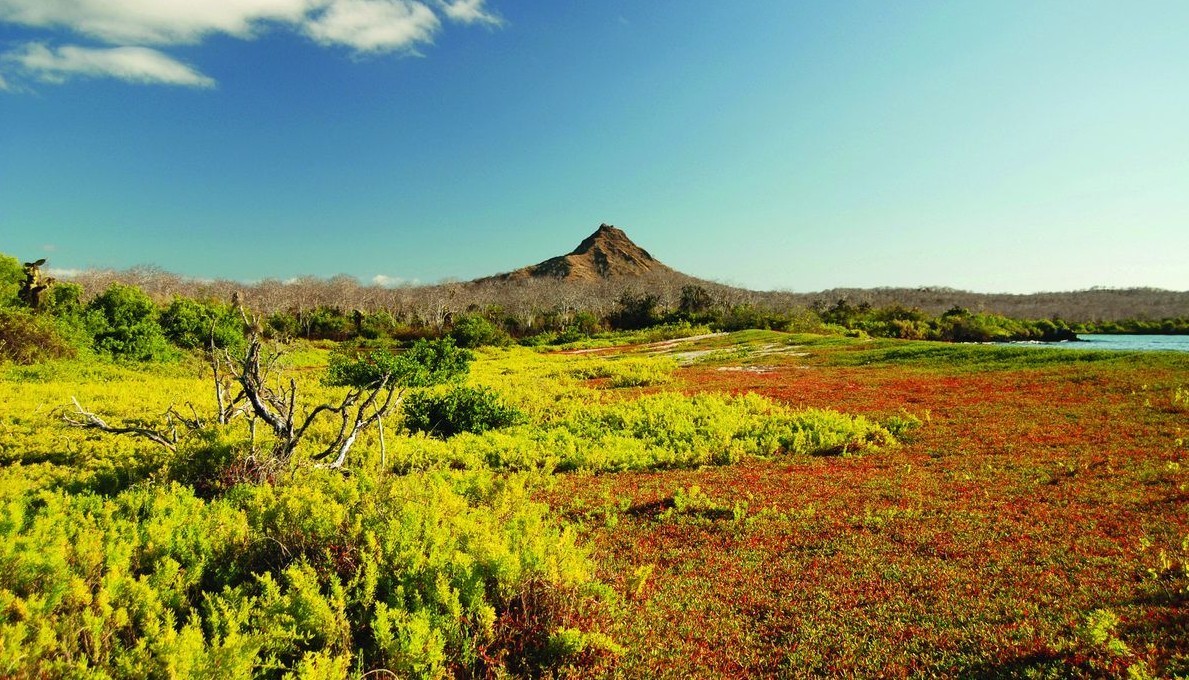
690	357
740	353
663	346
658	347
758	370
772	349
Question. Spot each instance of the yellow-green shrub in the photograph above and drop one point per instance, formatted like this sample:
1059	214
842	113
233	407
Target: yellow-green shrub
309	577
627	372
664	430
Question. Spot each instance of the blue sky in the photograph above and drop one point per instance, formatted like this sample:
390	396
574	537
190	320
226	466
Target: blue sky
990	146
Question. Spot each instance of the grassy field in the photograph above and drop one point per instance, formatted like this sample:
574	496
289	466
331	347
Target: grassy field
754	504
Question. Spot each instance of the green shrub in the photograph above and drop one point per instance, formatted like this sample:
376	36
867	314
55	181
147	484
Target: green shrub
477	331
565	337
326	323
695	503
190	324
123	321
378	325
745	317
902	424
462	409
427	363
12	274
211	462
634	311
65	299
695	300
583	325
282	325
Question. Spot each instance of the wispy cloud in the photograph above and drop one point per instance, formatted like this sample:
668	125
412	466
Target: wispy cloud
364	26
469	12
131	64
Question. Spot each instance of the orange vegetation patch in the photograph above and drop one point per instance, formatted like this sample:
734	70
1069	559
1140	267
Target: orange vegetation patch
979	548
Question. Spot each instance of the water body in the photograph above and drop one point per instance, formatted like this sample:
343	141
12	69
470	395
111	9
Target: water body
1164	343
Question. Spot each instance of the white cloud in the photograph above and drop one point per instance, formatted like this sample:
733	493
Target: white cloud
366	26
469	12
385	281
373	25
63	273
132	64
154	21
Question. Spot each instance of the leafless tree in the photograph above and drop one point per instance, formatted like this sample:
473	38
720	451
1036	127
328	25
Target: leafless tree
528	300
243	387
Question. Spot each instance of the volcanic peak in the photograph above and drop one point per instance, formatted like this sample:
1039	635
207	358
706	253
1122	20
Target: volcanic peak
608	253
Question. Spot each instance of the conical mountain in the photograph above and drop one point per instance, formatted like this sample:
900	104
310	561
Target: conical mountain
608	253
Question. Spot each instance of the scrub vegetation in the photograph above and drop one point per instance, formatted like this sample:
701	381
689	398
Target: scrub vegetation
190	489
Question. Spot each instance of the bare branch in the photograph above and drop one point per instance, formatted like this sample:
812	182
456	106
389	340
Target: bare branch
85	419
363	420
194	422
361	407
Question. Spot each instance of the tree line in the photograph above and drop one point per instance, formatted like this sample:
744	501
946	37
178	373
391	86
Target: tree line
149	314
528	298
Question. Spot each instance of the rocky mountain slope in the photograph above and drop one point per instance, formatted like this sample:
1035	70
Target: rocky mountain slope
608	253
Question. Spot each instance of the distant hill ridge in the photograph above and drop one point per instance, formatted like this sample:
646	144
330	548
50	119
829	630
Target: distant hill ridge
606	264
608	253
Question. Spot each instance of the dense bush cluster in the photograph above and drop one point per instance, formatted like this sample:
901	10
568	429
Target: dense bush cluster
123	323
955	325
462	409
1171	326
191	324
316	578
425	364
120	322
659	431
627	372
477	331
